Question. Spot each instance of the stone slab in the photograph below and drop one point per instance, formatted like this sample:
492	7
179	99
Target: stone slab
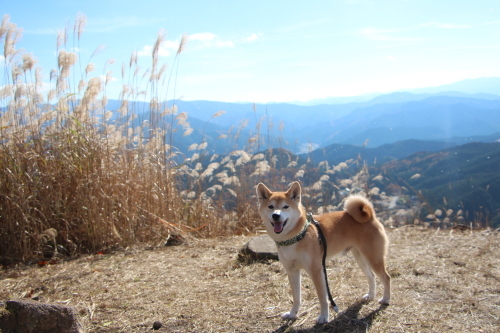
259	248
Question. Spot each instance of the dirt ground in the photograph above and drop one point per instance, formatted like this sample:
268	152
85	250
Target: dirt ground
443	280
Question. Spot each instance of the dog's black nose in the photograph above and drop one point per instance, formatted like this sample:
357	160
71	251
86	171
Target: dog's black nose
276	217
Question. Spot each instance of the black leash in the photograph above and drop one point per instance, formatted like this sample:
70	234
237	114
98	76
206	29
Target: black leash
322	240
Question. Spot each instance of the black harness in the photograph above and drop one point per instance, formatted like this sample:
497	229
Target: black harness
322	240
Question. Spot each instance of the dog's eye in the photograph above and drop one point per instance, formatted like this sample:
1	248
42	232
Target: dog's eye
286	207
270	206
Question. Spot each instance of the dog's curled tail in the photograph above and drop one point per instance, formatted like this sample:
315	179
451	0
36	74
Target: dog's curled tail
360	208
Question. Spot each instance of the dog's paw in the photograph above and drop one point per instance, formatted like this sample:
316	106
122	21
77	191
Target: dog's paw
367	298
288	316
322	319
384	301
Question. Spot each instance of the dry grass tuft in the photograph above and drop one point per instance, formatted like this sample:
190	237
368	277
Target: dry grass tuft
442	281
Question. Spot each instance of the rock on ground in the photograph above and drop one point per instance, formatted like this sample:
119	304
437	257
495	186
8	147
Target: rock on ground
27	316
259	248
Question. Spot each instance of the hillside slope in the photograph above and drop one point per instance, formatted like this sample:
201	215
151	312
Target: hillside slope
463	178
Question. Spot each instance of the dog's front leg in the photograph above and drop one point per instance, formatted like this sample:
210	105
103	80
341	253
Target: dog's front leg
319	281
294	278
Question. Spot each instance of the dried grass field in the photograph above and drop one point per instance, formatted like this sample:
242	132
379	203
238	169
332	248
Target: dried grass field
443	280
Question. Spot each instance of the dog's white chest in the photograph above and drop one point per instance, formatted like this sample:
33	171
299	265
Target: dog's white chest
289	256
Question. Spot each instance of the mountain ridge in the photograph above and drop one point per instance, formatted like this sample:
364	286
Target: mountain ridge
296	128
382	119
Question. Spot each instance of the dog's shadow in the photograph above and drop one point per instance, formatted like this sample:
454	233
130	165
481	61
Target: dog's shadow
345	321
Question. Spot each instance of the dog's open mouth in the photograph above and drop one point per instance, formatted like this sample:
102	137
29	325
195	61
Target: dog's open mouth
278	226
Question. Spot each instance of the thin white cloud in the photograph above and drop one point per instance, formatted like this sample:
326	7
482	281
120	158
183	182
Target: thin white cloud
394	35
209	39
75	49
103	24
41	31
386	35
147	50
165	49
491	23
251	38
444	25
370	32
106	24
203	37
201	40
108	78
360	1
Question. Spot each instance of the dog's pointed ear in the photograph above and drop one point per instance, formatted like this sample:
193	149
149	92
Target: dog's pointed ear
263	193
294	192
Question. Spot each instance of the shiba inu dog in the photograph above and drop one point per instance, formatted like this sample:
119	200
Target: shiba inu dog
356	229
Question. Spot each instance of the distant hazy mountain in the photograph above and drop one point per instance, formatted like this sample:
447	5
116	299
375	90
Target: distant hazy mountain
434	118
450	117
339	100
485	85
481	88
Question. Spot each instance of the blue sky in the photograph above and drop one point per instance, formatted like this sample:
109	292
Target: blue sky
263	51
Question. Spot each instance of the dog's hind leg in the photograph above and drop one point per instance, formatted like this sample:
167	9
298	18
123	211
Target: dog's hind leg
381	271
365	267
294	278
374	261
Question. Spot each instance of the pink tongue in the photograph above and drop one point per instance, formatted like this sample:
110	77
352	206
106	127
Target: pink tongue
278	227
